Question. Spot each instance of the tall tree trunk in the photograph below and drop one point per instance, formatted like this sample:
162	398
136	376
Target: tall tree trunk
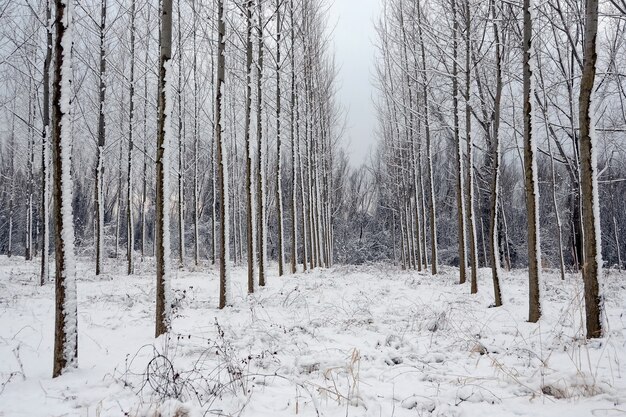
429	157
471	221
530	172
592	267
460	188
294	176
164	133
259	140
250	206
279	187
66	320
45	163
130	225
99	188
144	188
28	255
181	148
196	191
495	184
222	167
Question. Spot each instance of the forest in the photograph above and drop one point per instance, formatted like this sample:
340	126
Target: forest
184	233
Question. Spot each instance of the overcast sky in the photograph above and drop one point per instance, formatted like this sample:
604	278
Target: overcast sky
353	38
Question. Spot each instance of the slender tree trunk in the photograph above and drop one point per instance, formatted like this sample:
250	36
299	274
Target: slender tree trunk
592	267
471	221
130	224
259	140
12	186
279	187
144	189
495	184
45	163
429	158
530	172
164	133
196	191
222	167
294	138
181	149
99	188
66	321
28	247
118	214
250	206
459	148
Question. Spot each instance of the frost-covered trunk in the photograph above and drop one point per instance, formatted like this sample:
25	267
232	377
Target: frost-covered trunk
222	167
294	138
12	186
250	204
303	199
120	182
554	201
471	221
429	156
495	183
460	177
422	199
260	148
99	187
66	320
164	134
279	190
592	267
181	148
530	170
45	163
144	187
28	247
196	191
130	225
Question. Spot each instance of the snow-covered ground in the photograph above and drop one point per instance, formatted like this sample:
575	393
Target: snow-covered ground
350	341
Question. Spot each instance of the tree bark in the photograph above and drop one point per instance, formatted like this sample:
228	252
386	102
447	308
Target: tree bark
162	230
592	267
222	166
66	323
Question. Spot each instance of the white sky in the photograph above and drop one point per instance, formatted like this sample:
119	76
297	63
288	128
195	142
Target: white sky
353	38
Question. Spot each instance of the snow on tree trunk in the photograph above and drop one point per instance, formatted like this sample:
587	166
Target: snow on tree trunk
66	320
530	169
459	149
279	190
261	198
164	136
130	226
497	156
99	197
45	157
250	203
592	267
222	166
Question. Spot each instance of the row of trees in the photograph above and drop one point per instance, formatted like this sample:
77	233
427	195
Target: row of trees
225	109
221	117
505	156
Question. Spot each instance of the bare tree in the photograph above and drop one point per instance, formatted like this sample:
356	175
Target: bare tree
592	268
66	320
162	235
530	171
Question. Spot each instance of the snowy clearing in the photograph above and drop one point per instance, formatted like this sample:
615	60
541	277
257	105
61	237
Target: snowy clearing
349	341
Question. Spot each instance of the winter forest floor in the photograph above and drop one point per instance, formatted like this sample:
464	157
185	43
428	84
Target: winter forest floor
349	341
